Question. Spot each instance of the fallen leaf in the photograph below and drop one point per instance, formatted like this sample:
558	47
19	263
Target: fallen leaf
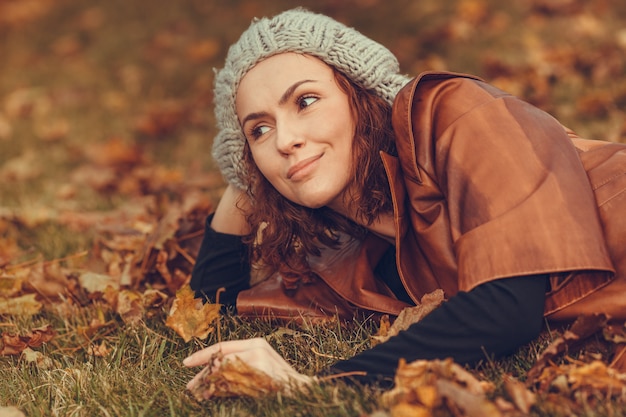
15	344
100	350
130	306
410	410
408	316
37	358
9	286
582	328
94	282
439	384
470	404
25	305
519	394
11	412
234	378
189	317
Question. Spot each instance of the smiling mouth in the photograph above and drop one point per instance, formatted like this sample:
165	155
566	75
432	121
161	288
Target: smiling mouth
302	165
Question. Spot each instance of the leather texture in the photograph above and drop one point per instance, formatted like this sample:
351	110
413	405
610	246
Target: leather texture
485	187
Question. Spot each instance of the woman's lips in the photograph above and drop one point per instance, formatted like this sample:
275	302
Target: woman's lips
300	167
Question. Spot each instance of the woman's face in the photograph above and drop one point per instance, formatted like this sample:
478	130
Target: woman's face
300	128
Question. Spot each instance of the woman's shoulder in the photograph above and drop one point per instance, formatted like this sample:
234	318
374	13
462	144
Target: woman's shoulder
444	86
442	96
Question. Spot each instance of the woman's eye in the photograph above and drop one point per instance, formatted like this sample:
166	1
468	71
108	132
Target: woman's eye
259	131
304	102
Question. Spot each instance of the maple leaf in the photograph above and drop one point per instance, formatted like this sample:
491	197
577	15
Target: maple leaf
408	316
189	317
234	378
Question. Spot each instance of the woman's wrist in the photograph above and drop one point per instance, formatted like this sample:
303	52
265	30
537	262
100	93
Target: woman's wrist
229	216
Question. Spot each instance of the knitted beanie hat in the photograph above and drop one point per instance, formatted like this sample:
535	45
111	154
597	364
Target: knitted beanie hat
363	60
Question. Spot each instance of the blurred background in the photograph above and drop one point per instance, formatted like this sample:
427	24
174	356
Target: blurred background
104	102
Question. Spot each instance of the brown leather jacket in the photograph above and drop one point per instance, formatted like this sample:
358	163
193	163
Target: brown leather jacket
485	187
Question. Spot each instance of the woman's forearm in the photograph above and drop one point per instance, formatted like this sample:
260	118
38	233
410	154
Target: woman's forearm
223	258
490	321
229	217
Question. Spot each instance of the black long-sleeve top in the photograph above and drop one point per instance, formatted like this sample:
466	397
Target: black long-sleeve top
492	320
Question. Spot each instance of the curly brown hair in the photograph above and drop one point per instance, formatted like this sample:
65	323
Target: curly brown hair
283	233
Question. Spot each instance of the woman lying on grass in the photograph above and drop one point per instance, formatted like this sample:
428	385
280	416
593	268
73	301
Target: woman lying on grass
363	190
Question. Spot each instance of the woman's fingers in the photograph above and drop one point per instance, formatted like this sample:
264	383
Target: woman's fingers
202	357
256	353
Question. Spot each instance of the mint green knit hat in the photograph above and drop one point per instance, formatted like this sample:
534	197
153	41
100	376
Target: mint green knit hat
365	61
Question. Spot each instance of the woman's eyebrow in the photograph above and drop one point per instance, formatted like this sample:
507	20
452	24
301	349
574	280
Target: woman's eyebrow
283	99
289	91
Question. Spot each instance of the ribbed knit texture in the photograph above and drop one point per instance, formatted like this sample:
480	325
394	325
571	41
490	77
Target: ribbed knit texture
365	61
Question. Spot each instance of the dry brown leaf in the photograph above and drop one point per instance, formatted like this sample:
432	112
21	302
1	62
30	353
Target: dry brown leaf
130	306
519	394
100	350
25	305
37	358
582	328
14	344
153	300
94	282
189	317
410	410
470	404
9	286
409	316
596	376
439	384
11	411
95	326
234	378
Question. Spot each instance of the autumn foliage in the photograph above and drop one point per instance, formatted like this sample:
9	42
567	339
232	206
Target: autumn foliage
106	179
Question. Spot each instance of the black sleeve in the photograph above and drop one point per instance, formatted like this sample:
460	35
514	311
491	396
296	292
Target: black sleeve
492	320
223	261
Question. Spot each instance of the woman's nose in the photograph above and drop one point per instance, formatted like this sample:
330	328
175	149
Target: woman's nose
288	138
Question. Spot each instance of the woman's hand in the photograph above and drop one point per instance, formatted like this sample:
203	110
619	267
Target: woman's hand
256	353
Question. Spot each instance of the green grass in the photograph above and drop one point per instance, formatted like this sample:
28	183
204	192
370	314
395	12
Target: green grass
103	65
143	373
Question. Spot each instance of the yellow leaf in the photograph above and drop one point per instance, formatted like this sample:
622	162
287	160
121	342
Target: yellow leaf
189	317
410	410
11	412
26	305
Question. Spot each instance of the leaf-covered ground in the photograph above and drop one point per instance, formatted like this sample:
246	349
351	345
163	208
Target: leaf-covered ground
106	177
